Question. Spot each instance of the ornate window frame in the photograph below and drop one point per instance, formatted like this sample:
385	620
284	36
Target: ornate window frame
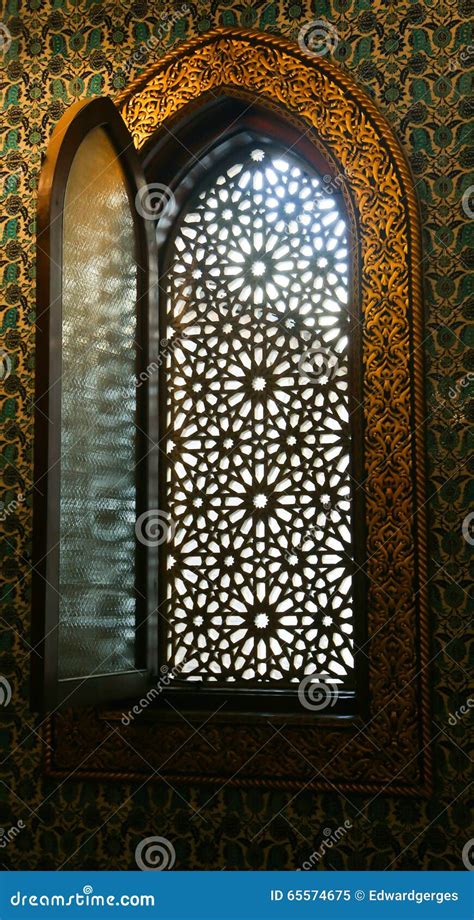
389	749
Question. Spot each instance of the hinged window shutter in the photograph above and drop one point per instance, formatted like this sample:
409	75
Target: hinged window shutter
94	581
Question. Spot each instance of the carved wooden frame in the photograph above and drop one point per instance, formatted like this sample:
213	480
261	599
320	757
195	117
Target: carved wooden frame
390	749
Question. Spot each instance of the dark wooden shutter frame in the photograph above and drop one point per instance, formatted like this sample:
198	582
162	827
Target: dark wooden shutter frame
48	691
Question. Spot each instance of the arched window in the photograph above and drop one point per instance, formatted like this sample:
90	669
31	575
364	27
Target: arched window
259	565
229	507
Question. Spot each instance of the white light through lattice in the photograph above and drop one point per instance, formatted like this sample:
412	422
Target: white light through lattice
257	394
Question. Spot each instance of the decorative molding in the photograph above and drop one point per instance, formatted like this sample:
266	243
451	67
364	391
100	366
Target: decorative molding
391	751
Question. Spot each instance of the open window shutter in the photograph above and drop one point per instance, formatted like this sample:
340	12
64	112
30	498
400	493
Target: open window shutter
94	580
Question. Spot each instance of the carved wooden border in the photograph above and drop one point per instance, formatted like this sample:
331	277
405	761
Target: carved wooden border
391	751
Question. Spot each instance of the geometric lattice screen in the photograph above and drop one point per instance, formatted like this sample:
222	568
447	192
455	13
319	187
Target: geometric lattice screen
258	487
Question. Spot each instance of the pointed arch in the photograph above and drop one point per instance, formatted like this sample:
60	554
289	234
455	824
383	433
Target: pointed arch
371	170
389	748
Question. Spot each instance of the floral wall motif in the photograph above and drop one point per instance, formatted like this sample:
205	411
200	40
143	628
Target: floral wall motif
413	59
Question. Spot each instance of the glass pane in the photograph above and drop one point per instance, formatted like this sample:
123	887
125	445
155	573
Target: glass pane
97	517
258	485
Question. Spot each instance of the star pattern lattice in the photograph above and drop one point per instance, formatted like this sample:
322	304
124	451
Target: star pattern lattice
258	486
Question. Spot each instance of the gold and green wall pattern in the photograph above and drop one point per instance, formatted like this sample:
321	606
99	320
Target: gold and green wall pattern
414	59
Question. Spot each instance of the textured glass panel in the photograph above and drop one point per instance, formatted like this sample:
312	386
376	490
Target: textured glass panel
97	538
258	485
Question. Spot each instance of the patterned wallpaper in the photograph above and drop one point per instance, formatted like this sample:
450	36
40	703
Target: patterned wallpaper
413	58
